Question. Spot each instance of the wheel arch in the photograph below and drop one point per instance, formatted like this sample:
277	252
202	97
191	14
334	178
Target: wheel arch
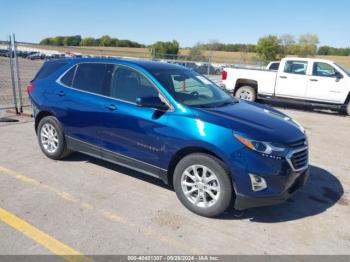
347	100
185	152
245	82
40	116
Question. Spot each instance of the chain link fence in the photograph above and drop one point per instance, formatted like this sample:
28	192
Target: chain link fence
15	74
8	92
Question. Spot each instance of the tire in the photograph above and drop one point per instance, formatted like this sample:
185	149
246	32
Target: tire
51	138
246	93
347	111
198	200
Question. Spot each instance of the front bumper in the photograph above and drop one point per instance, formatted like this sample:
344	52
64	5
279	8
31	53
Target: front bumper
244	201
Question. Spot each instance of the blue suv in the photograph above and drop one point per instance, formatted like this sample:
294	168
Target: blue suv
171	123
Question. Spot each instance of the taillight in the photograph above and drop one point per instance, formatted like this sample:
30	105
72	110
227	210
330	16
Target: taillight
223	75
30	88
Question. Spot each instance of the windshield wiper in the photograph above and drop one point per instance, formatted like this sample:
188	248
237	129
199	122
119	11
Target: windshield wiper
212	105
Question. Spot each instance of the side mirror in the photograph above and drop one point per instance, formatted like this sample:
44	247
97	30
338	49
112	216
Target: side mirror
338	75
152	102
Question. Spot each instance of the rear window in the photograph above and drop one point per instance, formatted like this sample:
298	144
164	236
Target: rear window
48	68
274	66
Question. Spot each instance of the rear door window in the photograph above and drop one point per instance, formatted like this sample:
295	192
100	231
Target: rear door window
93	77
295	67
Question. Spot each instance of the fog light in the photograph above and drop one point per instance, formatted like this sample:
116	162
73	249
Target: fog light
258	183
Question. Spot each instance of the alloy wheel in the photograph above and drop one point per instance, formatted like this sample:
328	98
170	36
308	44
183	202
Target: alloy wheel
49	138
200	185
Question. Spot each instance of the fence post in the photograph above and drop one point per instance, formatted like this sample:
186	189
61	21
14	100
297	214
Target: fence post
209	61
12	75
18	74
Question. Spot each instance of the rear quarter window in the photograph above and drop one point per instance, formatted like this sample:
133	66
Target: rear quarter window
48	69
67	79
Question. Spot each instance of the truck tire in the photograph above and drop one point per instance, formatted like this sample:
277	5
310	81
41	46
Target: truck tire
246	93
348	109
203	185
51	138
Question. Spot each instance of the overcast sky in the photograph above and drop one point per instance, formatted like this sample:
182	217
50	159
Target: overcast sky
188	21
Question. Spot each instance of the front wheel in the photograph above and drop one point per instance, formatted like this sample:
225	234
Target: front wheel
203	185
246	93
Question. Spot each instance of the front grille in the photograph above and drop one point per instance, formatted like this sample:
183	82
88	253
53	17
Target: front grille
298	143
299	159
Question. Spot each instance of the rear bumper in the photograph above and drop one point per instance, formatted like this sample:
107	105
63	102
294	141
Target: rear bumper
244	202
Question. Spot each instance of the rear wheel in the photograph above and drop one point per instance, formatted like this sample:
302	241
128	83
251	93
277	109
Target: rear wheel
203	185
51	138
246	93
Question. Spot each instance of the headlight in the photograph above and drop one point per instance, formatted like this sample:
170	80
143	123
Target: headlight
260	146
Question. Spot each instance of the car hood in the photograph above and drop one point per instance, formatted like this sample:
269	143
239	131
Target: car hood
256	121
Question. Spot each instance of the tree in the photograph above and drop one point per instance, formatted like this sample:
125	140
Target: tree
268	48
46	41
328	50
72	40
215	45
308	45
88	41
163	49
57	41
287	45
324	50
196	53
105	40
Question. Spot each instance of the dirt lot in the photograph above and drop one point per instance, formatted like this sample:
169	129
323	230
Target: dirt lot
93	207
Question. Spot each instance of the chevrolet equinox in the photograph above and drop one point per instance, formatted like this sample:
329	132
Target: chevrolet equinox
172	123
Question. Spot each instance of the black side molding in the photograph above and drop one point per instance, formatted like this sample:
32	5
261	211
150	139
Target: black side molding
300	102
101	153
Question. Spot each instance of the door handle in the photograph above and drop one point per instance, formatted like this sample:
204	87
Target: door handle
284	77
111	107
313	80
60	93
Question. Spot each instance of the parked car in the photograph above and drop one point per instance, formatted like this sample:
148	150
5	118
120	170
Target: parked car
303	81
36	56
4	52
203	70
25	54
171	123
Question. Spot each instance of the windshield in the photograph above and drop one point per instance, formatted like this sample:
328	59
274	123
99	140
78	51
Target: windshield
344	69
191	88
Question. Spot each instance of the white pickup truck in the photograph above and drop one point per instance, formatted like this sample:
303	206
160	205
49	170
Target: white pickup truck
305	81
